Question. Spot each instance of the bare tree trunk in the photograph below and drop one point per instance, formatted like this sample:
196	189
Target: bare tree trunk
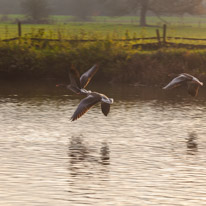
143	11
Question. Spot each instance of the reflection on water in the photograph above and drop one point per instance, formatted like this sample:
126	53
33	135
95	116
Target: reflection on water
150	150
192	143
79	151
80	154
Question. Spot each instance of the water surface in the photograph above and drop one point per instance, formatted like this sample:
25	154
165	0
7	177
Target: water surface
150	150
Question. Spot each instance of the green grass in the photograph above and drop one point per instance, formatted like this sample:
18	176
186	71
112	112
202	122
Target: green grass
106	27
99	31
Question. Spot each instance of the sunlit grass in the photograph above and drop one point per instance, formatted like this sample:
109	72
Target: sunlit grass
100	31
106	27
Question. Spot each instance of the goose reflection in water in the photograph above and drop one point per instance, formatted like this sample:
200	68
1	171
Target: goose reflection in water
79	152
105	153
77	149
191	143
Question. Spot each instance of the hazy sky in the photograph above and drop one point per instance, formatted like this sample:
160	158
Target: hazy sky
14	6
56	6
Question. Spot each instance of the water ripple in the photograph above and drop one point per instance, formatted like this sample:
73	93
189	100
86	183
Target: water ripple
146	152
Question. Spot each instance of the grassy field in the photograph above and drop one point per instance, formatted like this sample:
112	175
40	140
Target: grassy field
106	27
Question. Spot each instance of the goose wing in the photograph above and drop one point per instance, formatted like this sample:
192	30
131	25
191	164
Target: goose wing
74	89
105	104
192	78
74	78
181	79
105	108
197	81
87	76
85	105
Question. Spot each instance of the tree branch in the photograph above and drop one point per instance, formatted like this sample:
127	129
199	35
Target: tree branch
159	17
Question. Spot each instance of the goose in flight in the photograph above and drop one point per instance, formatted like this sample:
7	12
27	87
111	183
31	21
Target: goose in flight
192	82
89	101
77	83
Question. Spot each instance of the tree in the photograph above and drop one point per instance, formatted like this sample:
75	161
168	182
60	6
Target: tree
37	11
143	11
158	7
177	7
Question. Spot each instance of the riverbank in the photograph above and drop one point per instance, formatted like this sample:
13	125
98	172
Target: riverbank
31	60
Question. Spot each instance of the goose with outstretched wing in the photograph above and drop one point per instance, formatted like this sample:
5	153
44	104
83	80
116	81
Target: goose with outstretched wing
89	101
193	84
77	83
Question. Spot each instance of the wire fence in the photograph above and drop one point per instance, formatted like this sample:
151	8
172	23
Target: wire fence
158	41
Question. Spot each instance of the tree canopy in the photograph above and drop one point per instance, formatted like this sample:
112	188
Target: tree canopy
37	11
158	7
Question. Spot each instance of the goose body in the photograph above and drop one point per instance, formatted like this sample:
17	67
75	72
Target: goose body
89	101
192	83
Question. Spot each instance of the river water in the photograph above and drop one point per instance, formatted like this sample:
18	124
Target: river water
149	150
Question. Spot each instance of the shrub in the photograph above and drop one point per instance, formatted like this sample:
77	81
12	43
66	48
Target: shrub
44	59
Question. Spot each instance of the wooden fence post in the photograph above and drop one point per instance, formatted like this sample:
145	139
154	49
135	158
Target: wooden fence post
164	33
19	29
158	36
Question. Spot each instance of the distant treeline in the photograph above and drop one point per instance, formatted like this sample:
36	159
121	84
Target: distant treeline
57	7
108	7
38	11
15	7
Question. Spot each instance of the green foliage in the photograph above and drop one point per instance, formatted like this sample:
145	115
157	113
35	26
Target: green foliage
118	62
154	68
39	59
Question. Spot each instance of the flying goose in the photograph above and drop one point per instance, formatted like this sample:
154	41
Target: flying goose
192	82
77	83
89	101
